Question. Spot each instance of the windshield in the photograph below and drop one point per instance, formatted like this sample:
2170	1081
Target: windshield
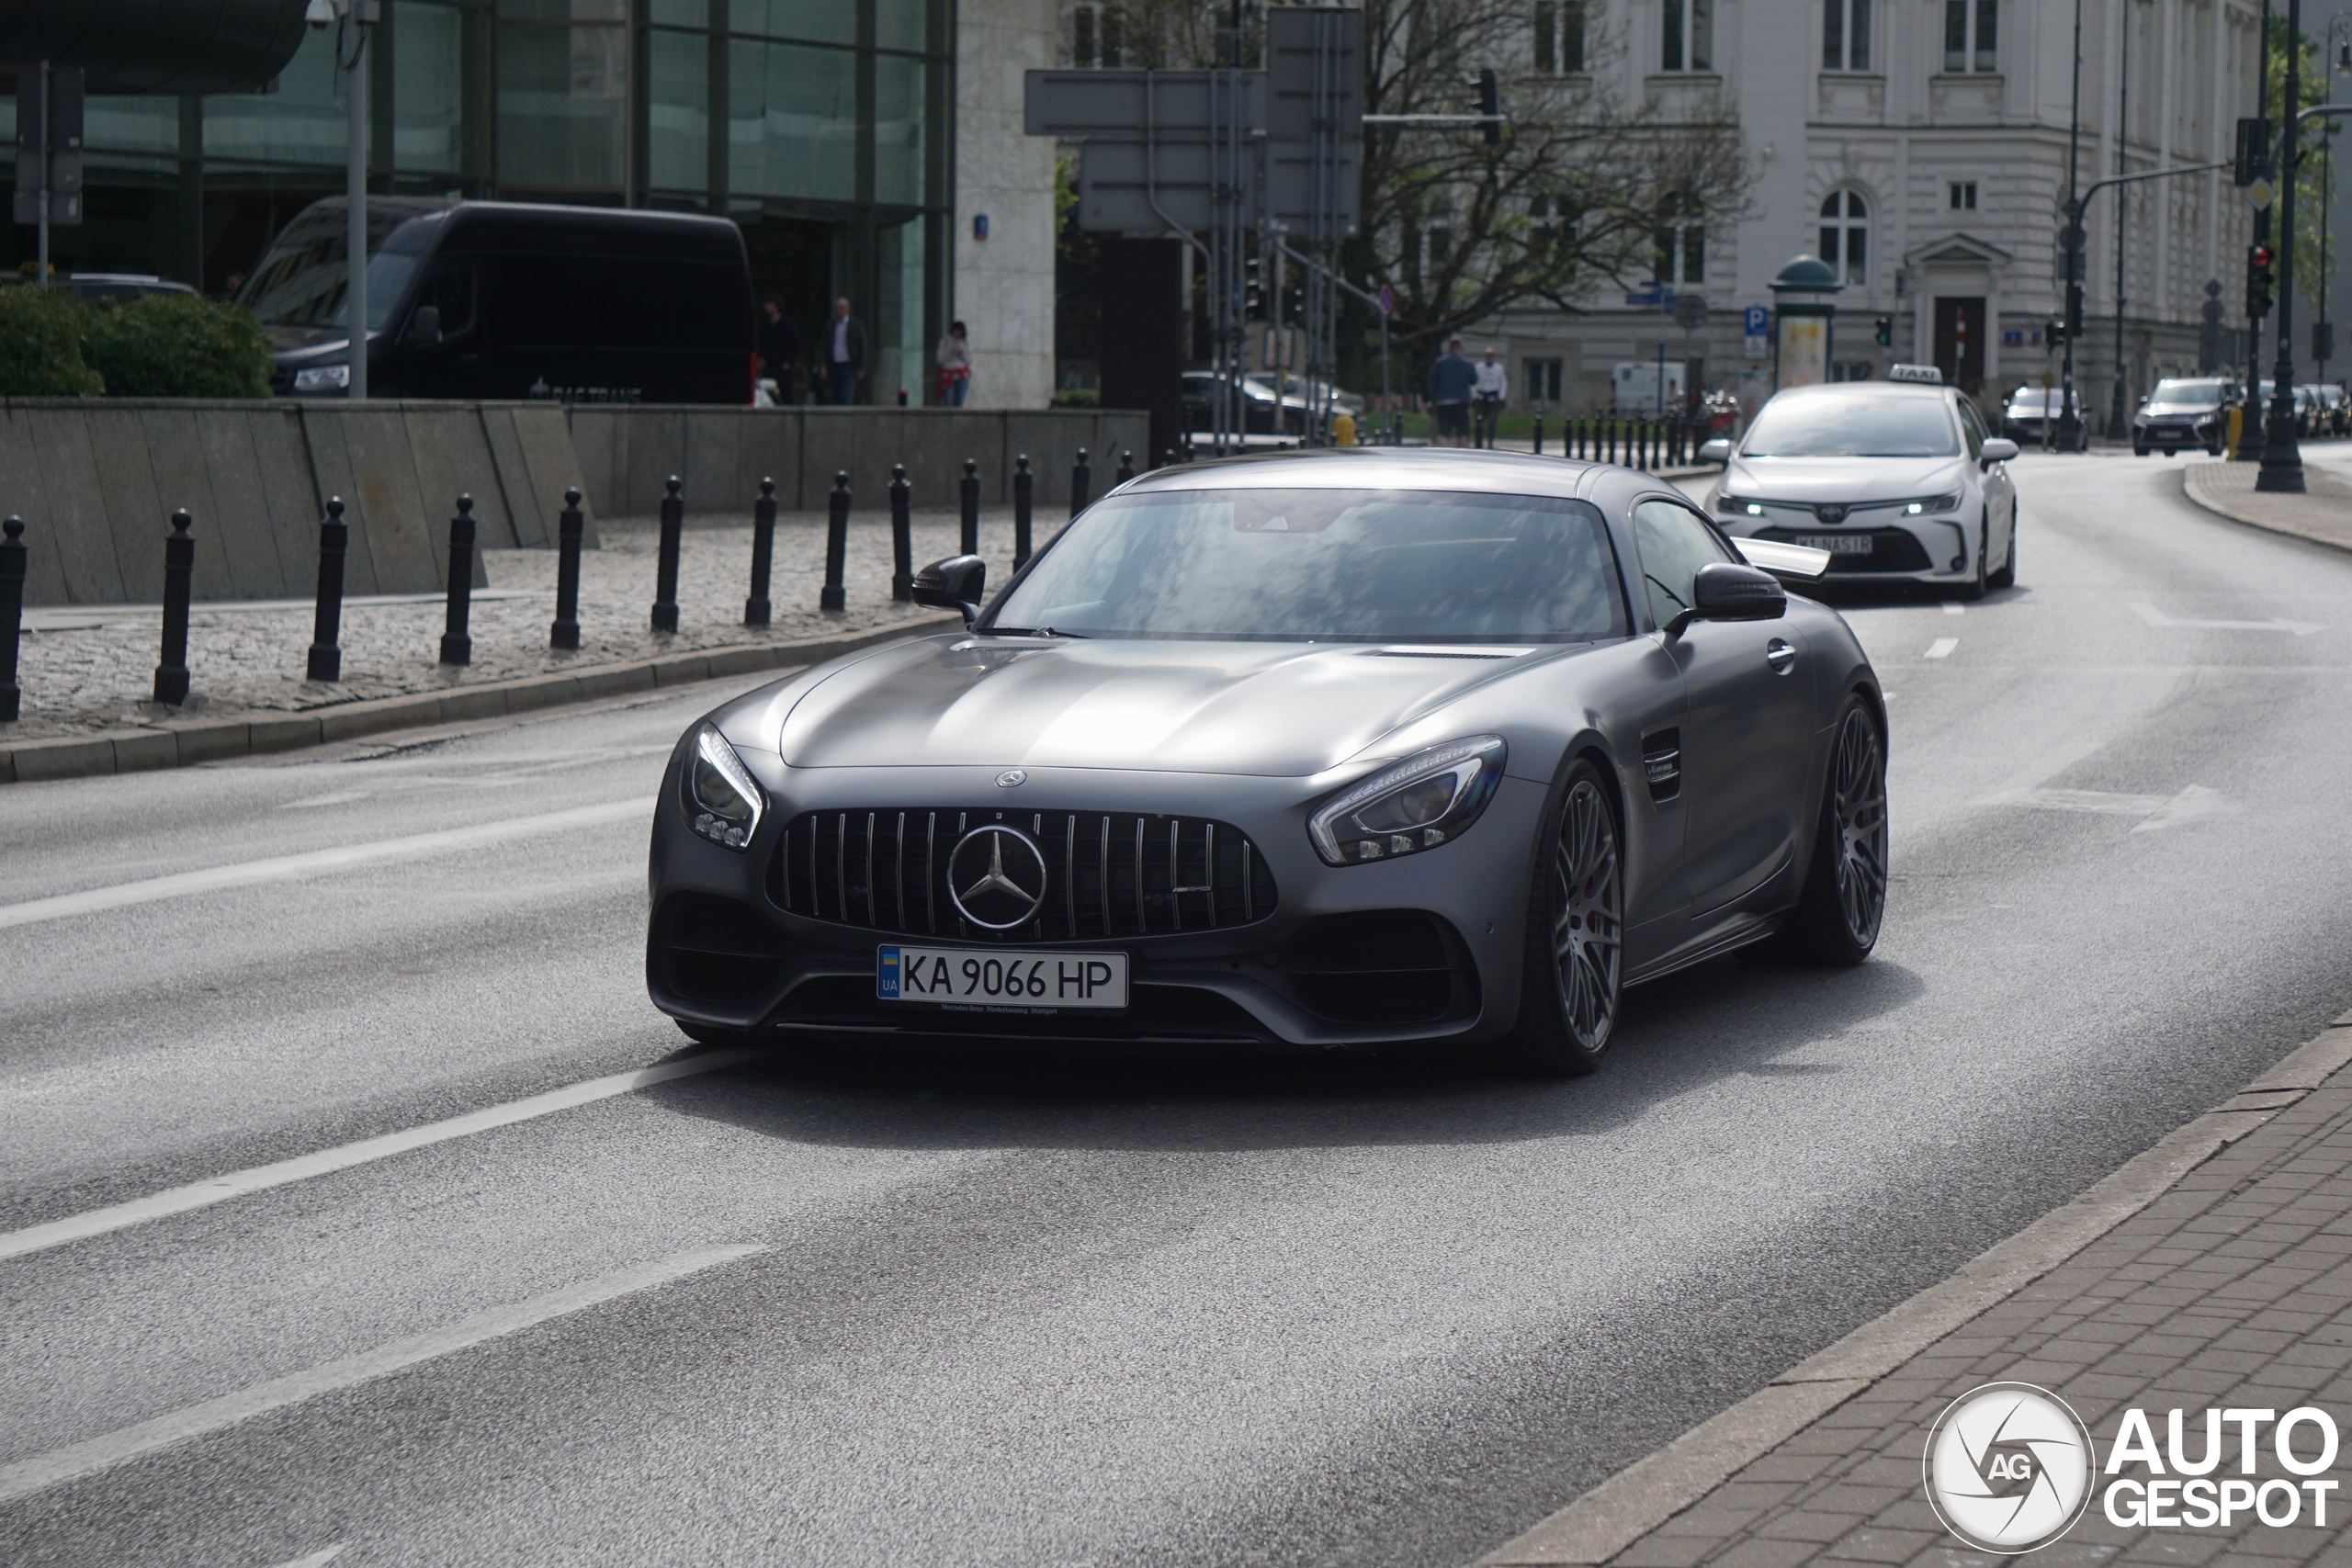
1307	565
300	282
1858	425
2186	394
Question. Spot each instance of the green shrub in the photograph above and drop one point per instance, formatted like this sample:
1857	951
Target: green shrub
40	346
178	346
1079	397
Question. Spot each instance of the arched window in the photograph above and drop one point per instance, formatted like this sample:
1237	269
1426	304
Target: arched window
1846	235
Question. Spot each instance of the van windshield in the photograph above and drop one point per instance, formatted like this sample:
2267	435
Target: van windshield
300	282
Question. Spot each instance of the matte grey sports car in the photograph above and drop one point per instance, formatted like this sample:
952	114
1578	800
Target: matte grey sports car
1310	749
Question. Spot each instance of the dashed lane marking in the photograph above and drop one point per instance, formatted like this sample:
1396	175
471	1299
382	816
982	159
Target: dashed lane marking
1952	608
1941	647
126	1443
260	1178
2156	812
2155	617
314	863
319	1559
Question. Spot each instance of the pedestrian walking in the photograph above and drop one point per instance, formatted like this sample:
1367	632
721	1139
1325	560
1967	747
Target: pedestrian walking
1452	380
955	358
779	347
1488	393
844	354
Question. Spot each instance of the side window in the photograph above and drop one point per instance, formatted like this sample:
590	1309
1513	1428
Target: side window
1971	428
1674	544
450	289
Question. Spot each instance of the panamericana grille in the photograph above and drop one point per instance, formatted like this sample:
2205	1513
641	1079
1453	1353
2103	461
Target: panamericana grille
1108	874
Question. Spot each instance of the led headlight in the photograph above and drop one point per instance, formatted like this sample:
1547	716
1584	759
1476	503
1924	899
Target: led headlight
1932	504
1416	805
1738	505
723	801
320	377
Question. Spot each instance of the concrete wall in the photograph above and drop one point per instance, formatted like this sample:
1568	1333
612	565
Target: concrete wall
719	455
1004	284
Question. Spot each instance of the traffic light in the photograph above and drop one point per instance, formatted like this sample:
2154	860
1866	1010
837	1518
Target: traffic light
2258	282
2253	152
2053	332
1490	108
1885	332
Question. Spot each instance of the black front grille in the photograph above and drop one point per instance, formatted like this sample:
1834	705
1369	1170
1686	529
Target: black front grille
1892	550
1109	874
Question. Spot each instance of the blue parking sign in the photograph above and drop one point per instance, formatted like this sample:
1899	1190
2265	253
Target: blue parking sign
1757	321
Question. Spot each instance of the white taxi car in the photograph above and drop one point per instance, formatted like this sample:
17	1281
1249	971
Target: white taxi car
1897	480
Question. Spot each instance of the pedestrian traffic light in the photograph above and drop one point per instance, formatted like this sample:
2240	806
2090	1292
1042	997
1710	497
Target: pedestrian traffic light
2258	282
1887	331
1490	108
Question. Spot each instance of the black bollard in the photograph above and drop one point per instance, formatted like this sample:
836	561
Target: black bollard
755	608
1126	466
12	606
326	622
1025	491
457	646
571	528
1168	457
179	566
665	566
1538	448
970	539
1081	480
836	544
902	539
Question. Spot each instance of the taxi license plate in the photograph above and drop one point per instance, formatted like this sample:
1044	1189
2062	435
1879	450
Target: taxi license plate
1837	544
996	979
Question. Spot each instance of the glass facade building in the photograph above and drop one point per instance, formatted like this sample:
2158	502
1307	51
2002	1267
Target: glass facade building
824	128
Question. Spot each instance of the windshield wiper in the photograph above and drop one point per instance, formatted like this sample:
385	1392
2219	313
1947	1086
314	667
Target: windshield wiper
1033	631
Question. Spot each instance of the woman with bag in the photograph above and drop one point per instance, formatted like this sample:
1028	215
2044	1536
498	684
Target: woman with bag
955	358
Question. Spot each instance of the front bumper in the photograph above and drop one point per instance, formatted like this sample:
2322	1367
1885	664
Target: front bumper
2202	430
1422	948
1929	548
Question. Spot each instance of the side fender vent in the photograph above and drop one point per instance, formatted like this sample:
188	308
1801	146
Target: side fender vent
1662	764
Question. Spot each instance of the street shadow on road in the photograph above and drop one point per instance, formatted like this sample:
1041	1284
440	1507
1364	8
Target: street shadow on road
1698	1028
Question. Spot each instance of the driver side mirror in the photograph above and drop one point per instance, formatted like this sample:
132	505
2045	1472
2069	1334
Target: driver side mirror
956	584
1717	451
1724	591
1997	449
424	327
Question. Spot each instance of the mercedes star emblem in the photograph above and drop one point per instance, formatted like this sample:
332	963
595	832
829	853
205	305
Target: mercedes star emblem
996	877
1010	777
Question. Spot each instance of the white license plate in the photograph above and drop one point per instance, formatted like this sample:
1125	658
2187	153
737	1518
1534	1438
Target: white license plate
1837	544
992	980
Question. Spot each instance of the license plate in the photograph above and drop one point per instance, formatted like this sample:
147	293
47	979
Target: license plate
989	979
2171	433
1837	544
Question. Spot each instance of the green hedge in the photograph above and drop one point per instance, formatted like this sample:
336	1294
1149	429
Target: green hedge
167	345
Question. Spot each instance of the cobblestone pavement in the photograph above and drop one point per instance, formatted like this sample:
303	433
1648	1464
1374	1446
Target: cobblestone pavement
2233	1290
89	678
2323	513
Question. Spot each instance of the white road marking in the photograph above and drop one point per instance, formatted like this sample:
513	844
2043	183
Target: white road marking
2156	812
2156	617
127	1443
318	1559
1952	608
1941	647
260	1178
310	863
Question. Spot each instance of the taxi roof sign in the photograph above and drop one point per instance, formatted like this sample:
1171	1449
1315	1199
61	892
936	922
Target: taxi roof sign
1927	373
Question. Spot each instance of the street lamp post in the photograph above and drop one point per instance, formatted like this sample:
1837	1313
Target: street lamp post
2118	427
2070	419
2282	457
2253	439
358	16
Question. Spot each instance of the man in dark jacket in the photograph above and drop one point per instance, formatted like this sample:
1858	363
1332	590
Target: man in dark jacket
844	352
1451	380
779	343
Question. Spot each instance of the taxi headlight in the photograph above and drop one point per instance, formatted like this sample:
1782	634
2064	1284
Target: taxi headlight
1416	805
1932	503
723	802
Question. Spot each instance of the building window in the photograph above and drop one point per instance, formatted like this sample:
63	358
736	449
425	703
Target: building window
1846	235
1542	380
563	95
1682	243
1689	42
1964	195
1846	35
1094	36
1559	36
1441	244
1551	223
1972	34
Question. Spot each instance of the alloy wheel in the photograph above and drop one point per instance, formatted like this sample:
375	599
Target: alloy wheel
1858	803
1589	924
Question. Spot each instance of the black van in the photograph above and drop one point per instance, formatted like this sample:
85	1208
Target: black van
510	301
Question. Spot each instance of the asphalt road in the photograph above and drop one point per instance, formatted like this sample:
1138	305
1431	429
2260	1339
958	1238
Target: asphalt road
897	1309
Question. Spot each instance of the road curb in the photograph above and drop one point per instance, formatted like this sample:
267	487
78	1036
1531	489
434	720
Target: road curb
1646	1493
178	745
2220	508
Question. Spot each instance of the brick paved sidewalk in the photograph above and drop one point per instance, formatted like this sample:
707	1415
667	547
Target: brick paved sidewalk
2233	1288
2322	514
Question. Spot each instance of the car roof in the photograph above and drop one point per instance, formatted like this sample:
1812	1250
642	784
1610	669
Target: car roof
1873	388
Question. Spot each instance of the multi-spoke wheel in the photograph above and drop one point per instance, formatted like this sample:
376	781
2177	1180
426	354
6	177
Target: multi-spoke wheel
1576	926
1838	918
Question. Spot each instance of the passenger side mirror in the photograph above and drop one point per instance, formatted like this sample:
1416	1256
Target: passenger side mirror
1726	593
959	583
1997	449
1717	451
424	327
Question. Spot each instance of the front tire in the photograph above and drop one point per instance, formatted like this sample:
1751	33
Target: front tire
1572	979
1838	916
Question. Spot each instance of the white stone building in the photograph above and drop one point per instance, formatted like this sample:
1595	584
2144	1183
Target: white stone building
1920	147
1004	283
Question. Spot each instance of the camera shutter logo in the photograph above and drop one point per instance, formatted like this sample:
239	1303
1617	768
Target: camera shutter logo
996	877
2010	1467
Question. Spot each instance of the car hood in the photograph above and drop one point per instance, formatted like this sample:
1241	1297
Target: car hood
1843	479
2176	410
1281	709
